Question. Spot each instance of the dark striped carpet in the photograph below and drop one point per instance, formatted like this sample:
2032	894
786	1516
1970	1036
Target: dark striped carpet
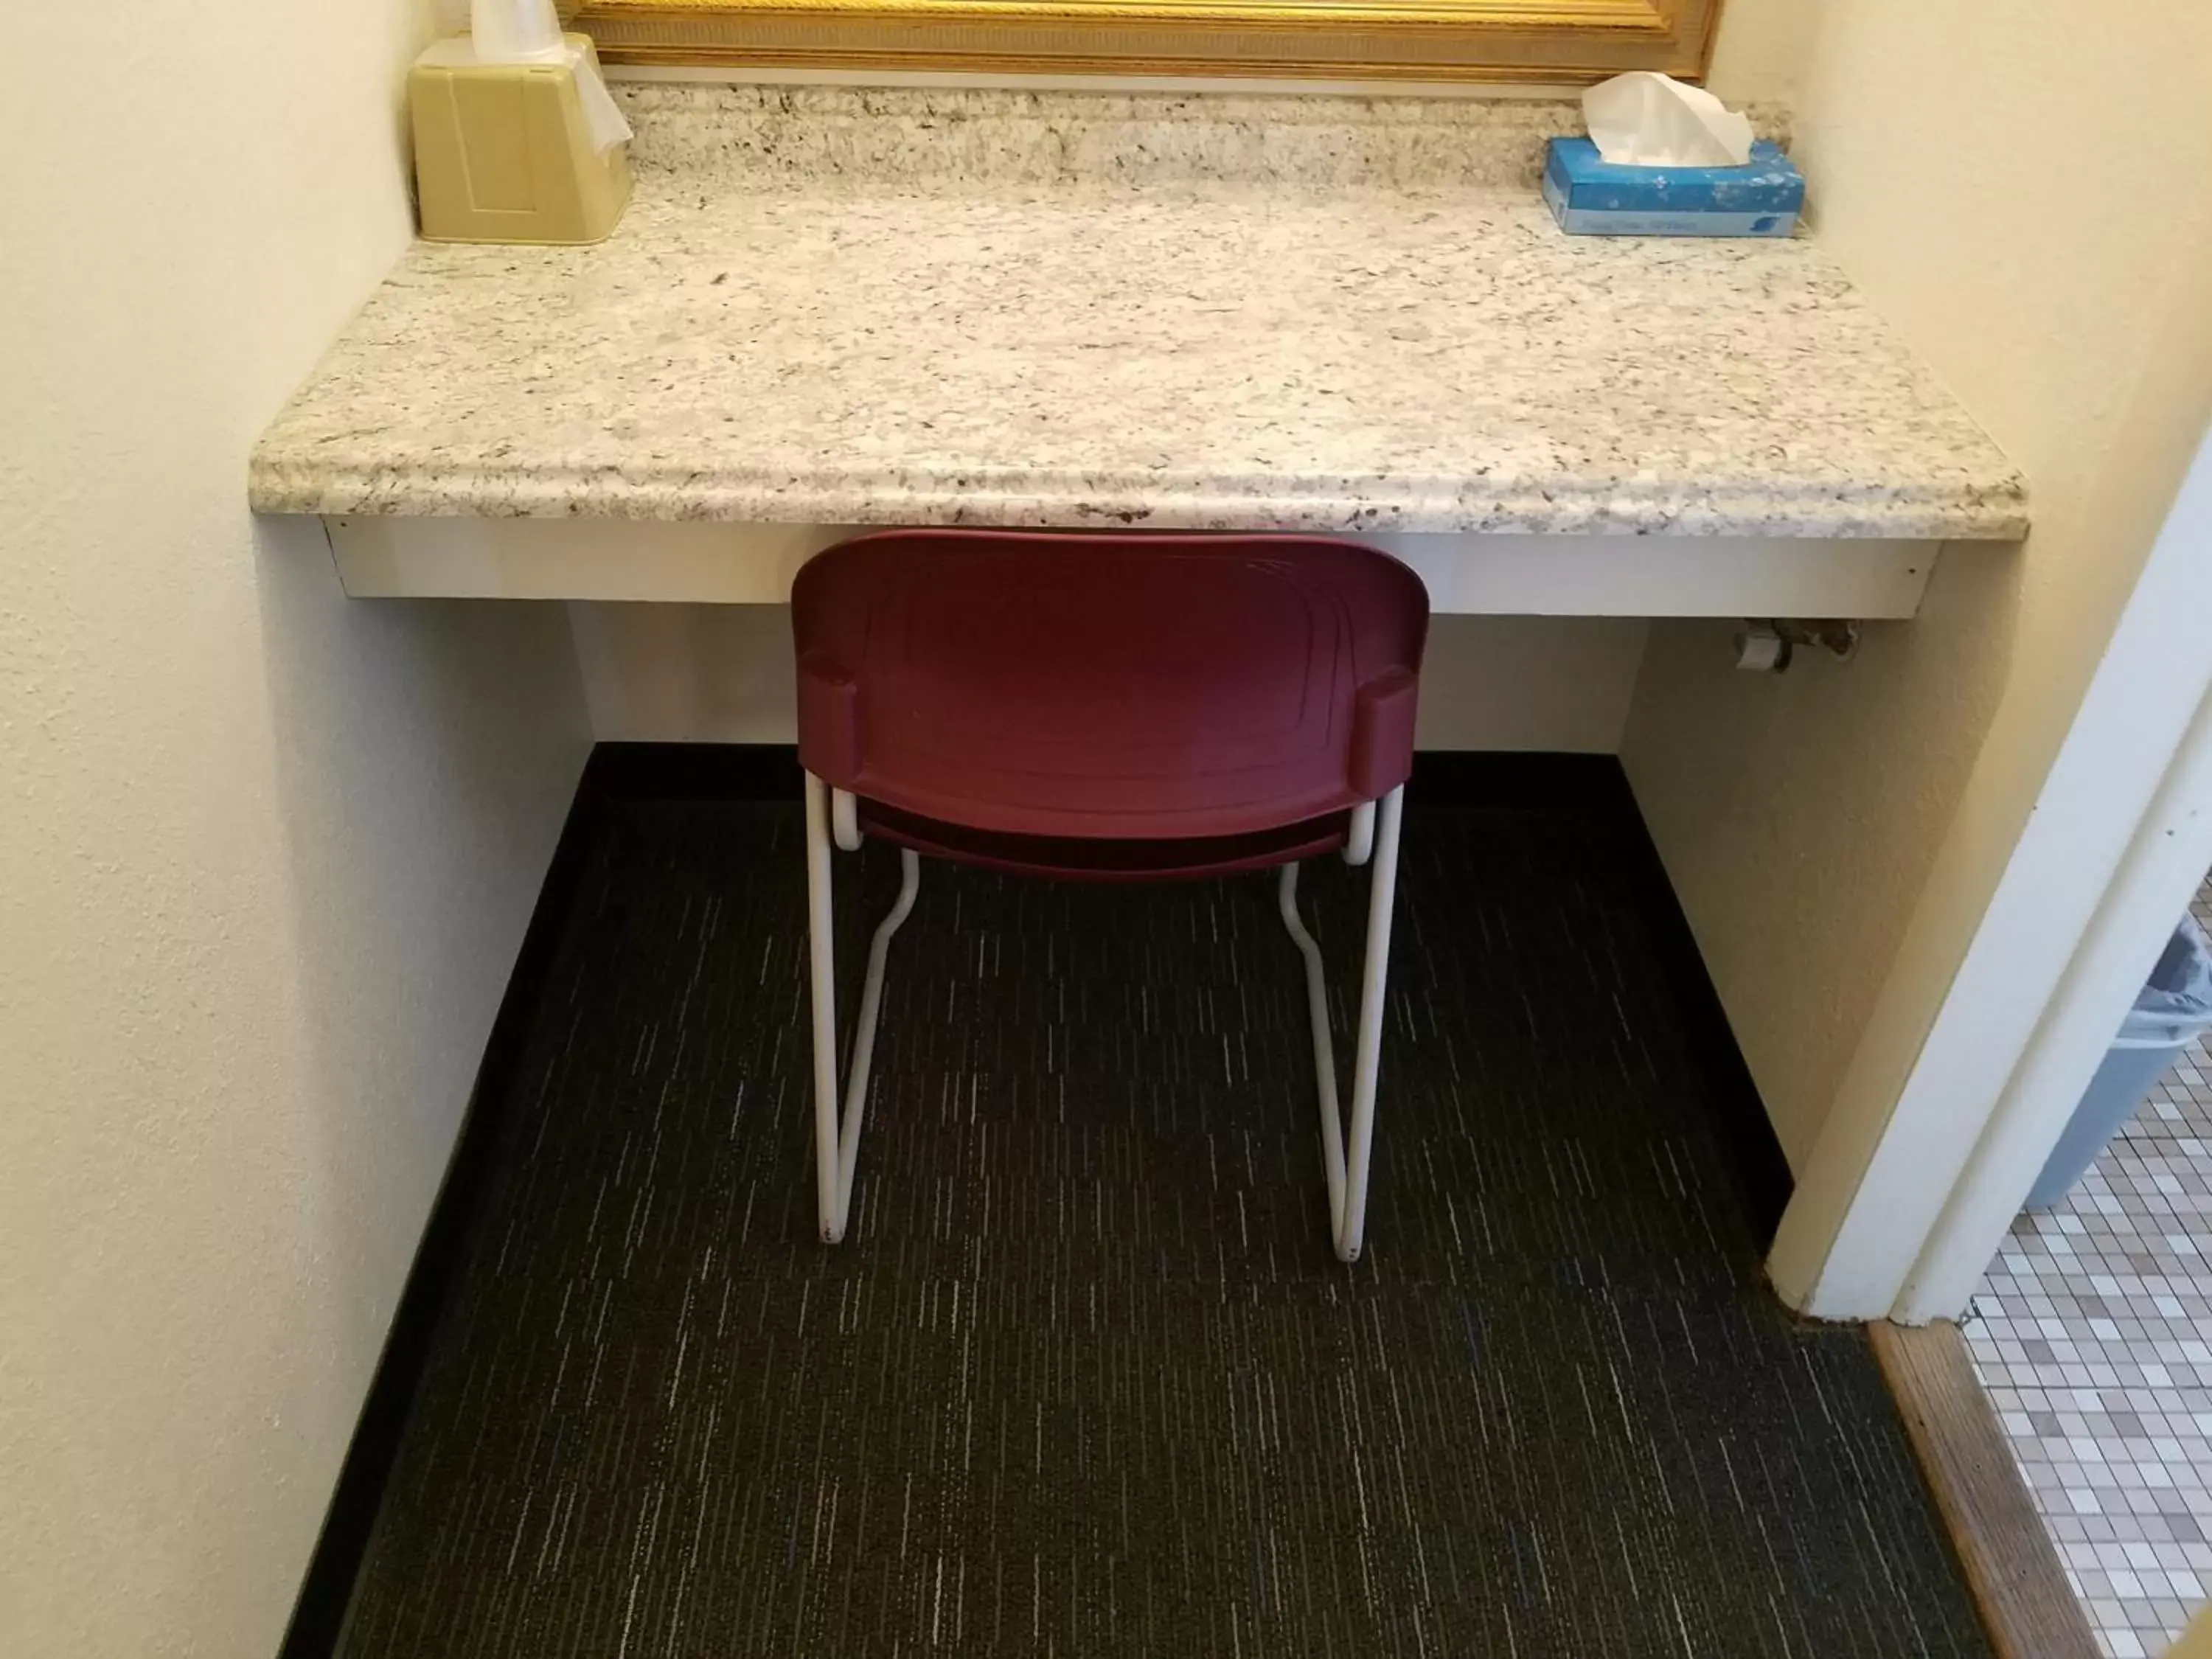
1086	1379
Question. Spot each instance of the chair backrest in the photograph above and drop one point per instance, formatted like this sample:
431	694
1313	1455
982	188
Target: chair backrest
1085	685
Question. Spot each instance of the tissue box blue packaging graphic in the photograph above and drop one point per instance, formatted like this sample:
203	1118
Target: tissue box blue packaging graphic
1592	197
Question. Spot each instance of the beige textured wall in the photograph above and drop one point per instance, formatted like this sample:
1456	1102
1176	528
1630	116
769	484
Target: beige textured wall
267	855
1989	185
1798	814
722	674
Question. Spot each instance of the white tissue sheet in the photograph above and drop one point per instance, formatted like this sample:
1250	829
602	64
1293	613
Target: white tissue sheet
516	32
1650	121
603	117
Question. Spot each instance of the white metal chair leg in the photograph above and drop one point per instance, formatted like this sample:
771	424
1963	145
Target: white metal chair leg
1359	838
1347	1165
837	1137
844	821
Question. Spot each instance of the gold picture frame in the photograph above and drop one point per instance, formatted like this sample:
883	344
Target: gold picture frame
1556	41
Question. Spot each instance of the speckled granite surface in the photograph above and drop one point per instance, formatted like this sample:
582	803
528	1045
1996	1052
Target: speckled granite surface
787	328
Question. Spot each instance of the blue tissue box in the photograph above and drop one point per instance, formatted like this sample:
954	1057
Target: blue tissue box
1592	197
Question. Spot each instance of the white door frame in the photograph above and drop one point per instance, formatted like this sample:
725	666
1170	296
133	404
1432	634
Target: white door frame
1904	1223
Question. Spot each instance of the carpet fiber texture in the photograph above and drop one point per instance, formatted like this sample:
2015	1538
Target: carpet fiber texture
1085	1378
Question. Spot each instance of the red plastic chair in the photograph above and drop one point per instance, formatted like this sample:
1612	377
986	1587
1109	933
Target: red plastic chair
1106	708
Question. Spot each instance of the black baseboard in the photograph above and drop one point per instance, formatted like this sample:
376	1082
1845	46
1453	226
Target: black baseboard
318	1620
1505	780
696	771
1762	1172
618	773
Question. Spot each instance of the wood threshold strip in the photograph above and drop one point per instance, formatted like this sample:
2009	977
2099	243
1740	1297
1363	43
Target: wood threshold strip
2018	1583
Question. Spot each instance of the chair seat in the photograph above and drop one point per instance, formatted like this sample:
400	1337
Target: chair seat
1101	859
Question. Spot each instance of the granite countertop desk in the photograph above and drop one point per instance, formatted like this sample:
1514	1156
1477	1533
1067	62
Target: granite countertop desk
829	309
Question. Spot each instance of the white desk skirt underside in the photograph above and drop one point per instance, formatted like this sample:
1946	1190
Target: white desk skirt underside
476	558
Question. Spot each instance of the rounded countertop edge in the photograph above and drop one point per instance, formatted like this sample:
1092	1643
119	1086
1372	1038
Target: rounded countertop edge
1994	510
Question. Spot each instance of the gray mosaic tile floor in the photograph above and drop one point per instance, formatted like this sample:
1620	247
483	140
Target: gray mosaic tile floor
2094	1335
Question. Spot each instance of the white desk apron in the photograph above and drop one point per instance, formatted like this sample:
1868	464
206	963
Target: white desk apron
1478	574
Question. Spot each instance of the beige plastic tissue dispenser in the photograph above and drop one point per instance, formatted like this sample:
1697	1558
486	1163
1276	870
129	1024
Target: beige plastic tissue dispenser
503	152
